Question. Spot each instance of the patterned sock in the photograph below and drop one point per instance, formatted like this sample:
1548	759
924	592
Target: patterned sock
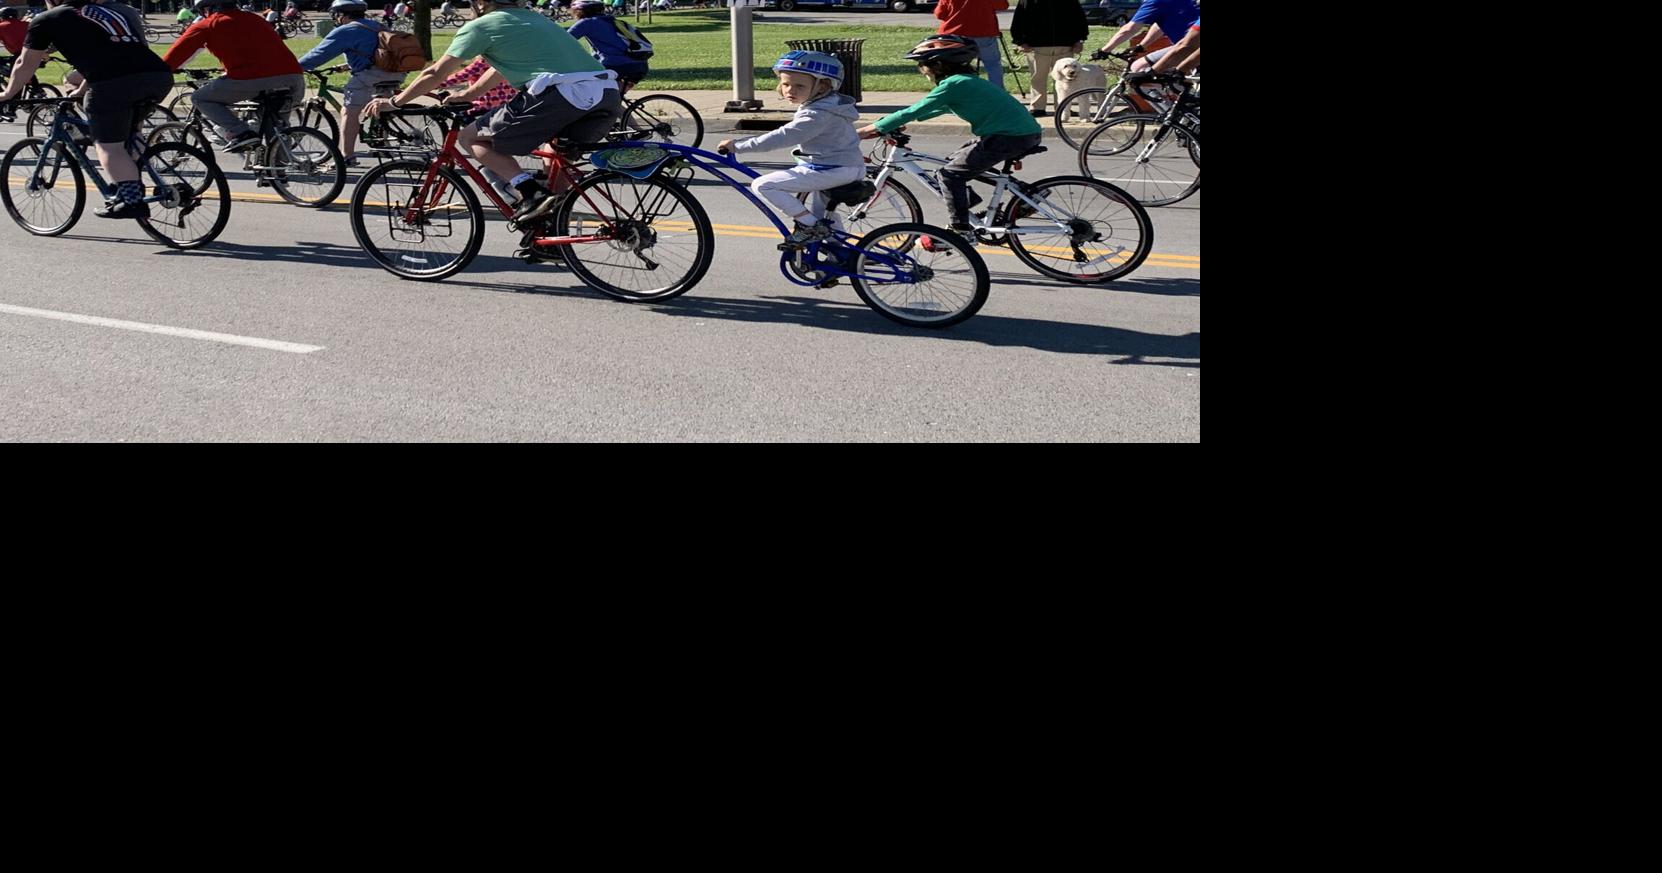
129	192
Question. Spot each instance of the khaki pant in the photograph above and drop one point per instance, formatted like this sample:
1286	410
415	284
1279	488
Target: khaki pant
1043	58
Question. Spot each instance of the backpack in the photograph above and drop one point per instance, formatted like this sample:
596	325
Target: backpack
640	48
398	52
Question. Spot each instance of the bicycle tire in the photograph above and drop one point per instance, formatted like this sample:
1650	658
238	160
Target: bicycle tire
37	201
1114	102
649	195
894	203
314	114
661	118
933	305
39	123
1117	221
1157	173
186	134
412	176
320	152
198	189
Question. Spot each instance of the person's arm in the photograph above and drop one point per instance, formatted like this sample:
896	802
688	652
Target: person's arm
1181	53
331	47
23	71
423	85
937	102
797	131
468	76
187	45
479	88
1127	31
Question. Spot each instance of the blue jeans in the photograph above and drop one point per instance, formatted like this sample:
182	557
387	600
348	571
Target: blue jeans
991	58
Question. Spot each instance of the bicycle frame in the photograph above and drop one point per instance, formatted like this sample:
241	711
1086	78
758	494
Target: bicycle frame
904	159
433	188
57	135
713	164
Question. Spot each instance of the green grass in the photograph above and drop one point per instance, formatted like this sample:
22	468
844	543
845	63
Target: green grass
694	51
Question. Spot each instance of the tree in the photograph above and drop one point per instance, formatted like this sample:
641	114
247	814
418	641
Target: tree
424	25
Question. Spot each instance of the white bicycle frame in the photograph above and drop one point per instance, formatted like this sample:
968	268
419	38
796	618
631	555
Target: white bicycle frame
904	159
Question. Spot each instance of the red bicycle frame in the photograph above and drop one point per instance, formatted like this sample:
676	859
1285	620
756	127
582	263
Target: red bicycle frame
435	187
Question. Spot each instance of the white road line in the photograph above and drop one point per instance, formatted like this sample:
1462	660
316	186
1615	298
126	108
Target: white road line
229	339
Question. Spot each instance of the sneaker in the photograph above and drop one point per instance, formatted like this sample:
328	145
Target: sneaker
807	233
124	210
535	206
1039	113
245	141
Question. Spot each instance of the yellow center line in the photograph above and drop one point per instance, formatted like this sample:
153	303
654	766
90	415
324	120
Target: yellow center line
750	231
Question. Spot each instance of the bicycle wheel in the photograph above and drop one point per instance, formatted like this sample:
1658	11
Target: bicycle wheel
892	204
181	104
195	199
158	117
39	123
1159	164
441	239
661	241
315	115
305	166
43	92
45	198
1090	231
661	118
1080	114
184	134
920	276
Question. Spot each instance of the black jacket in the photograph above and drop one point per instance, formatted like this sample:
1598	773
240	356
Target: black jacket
1048	23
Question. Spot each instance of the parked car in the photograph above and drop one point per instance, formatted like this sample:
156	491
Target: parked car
896	5
1115	12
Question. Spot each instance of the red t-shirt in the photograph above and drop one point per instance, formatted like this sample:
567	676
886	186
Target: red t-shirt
970	17
248	46
12	33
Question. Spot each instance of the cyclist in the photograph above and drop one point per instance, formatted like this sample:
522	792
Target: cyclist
595	24
563	93
357	38
1171	17
255	60
186	17
122	75
827	147
12	30
1005	127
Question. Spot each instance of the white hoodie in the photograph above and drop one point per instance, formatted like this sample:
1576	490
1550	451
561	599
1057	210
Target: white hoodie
823	130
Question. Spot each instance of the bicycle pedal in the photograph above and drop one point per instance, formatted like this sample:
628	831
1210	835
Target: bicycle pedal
263	183
829	283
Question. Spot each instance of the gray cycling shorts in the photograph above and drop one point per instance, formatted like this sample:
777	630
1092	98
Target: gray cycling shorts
527	122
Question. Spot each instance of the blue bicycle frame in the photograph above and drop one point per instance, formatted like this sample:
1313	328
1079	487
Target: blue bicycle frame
897	264
83	126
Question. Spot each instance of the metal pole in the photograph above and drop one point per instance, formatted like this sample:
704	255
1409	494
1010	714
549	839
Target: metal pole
744	61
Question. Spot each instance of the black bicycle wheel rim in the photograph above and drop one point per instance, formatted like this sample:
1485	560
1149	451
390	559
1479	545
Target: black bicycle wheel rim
201	206
380	227
23	206
651	208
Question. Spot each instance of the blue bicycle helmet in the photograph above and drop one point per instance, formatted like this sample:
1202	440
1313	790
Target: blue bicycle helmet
817	64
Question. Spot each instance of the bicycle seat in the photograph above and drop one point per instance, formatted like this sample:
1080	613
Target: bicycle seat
852	194
277	97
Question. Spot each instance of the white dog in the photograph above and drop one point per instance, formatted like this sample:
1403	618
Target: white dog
1071	76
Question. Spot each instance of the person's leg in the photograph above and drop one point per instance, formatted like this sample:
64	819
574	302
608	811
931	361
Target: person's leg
990	58
1044	60
971	161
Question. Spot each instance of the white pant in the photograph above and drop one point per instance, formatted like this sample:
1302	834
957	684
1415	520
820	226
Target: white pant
778	189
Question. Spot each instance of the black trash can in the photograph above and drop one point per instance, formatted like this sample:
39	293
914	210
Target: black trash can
845	50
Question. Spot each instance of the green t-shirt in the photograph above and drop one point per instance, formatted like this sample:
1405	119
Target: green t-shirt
521	45
989	110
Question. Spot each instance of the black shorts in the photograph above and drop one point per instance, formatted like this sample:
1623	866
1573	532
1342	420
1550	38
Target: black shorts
527	122
110	103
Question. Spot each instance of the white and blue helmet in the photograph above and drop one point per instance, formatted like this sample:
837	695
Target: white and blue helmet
817	64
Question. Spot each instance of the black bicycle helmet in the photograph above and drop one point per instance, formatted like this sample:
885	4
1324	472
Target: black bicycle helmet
945	49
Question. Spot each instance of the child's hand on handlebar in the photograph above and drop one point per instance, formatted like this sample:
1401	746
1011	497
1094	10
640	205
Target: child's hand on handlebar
870	131
725	147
